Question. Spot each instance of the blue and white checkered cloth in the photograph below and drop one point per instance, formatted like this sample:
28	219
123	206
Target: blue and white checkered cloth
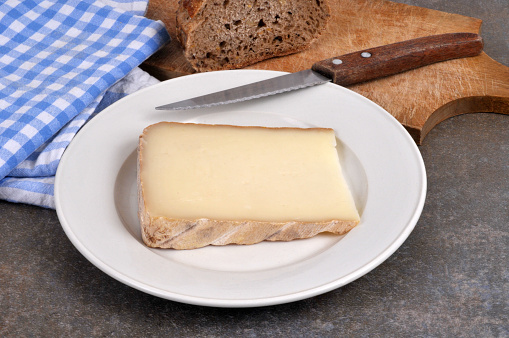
62	62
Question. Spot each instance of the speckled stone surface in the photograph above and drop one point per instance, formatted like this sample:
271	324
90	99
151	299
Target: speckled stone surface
449	279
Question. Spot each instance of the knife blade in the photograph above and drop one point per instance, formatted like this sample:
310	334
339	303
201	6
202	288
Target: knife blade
348	69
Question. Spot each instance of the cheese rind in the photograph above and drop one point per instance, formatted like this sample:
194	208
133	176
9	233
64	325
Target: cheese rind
204	185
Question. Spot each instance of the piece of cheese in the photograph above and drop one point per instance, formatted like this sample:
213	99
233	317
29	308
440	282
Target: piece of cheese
204	185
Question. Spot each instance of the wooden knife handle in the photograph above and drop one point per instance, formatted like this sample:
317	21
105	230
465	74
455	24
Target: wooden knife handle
374	63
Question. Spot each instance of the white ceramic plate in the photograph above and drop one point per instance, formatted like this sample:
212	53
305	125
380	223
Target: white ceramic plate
95	194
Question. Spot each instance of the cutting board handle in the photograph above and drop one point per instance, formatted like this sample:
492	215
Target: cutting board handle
374	63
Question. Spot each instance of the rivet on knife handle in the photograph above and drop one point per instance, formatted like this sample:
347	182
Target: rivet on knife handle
398	57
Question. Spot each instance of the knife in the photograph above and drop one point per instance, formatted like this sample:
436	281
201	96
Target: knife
348	69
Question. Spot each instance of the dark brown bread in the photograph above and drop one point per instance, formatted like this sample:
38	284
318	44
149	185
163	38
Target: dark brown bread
229	34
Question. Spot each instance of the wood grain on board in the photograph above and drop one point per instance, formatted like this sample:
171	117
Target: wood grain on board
419	99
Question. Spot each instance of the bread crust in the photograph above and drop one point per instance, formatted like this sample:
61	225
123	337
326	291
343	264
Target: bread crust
192	6
171	233
190	19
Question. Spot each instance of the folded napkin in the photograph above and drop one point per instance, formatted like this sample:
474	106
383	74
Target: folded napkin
62	62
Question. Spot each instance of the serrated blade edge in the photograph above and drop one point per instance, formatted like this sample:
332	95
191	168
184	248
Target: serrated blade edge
272	86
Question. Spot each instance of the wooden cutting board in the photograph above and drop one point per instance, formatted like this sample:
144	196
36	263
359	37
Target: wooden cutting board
419	99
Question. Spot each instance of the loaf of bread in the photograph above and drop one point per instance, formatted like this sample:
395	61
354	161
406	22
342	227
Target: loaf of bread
224	34
202	185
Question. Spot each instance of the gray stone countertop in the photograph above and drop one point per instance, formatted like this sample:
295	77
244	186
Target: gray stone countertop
448	279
